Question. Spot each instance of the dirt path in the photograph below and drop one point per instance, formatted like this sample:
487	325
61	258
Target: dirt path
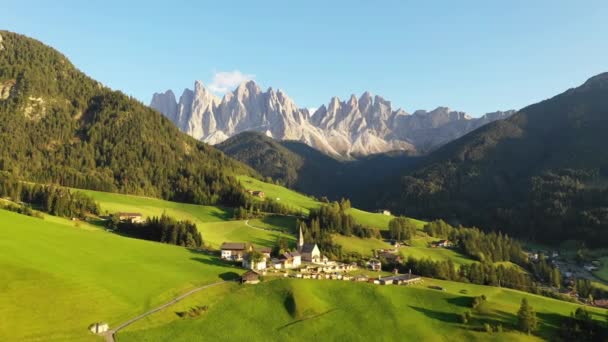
254	227
110	335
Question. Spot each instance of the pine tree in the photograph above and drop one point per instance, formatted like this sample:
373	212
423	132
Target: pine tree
526	317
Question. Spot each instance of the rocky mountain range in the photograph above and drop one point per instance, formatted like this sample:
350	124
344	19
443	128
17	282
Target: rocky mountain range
357	126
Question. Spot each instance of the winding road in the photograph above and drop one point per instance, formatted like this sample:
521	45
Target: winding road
111	334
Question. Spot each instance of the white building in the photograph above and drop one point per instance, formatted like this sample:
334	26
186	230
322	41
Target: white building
309	251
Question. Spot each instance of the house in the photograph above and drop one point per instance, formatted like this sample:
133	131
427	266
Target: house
361	278
390	257
291	259
130	217
264	250
254	265
256	193
250	264
309	251
441	243
276	263
234	250
99	328
400	279
250	277
375	265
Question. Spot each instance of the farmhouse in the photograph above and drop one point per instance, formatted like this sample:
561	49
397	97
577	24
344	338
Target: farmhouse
375	265
99	328
291	259
400	279
233	250
258	265
130	217
250	277
442	243
256	193
309	251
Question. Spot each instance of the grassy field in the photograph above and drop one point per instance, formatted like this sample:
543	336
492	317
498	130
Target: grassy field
377	220
211	221
305	203
283	195
57	278
147	206
301	310
359	245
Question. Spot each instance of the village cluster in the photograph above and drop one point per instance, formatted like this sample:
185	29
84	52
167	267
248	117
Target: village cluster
307	263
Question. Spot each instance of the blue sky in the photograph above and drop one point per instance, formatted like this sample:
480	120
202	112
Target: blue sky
475	56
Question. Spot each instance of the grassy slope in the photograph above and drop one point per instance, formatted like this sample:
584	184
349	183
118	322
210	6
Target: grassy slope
284	195
312	309
210	220
305	203
56	279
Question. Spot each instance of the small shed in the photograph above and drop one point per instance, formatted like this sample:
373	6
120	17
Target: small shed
250	277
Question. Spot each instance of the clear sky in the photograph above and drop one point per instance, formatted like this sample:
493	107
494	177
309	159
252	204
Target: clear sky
475	56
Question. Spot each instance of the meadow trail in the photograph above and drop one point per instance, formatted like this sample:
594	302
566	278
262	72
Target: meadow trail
110	335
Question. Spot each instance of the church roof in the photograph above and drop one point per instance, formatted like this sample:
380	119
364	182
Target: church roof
308	247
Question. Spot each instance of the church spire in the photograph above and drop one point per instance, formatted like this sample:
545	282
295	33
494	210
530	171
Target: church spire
300	239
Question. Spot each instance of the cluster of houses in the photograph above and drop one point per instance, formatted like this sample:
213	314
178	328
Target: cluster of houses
242	251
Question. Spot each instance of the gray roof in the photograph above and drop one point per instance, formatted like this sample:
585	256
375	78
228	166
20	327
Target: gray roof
308	247
234	246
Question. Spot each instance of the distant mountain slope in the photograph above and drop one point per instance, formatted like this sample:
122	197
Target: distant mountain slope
358	126
542	173
58	125
307	170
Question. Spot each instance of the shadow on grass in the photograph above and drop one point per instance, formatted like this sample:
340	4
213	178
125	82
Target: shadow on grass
462	301
448	317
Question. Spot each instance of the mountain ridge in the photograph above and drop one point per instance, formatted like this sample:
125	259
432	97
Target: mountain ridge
357	126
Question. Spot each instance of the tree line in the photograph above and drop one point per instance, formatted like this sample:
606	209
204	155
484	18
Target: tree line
255	208
55	200
162	229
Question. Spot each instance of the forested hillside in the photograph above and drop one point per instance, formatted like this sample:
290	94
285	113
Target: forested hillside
303	168
543	173
59	126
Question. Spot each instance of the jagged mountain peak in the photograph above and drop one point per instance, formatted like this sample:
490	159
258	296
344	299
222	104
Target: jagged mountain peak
357	126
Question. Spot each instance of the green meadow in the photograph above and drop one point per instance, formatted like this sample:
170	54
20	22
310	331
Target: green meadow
281	194
59	276
213	222
299	310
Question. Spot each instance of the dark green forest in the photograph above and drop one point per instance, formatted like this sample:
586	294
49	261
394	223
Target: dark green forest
61	127
541	174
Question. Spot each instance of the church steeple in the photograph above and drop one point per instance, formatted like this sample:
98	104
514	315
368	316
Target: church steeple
300	240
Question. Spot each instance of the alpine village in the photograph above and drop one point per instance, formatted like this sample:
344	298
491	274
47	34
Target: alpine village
231	213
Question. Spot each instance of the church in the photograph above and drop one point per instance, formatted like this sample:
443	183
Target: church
309	251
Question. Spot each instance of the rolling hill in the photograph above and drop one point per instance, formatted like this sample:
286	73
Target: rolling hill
299	310
59	276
